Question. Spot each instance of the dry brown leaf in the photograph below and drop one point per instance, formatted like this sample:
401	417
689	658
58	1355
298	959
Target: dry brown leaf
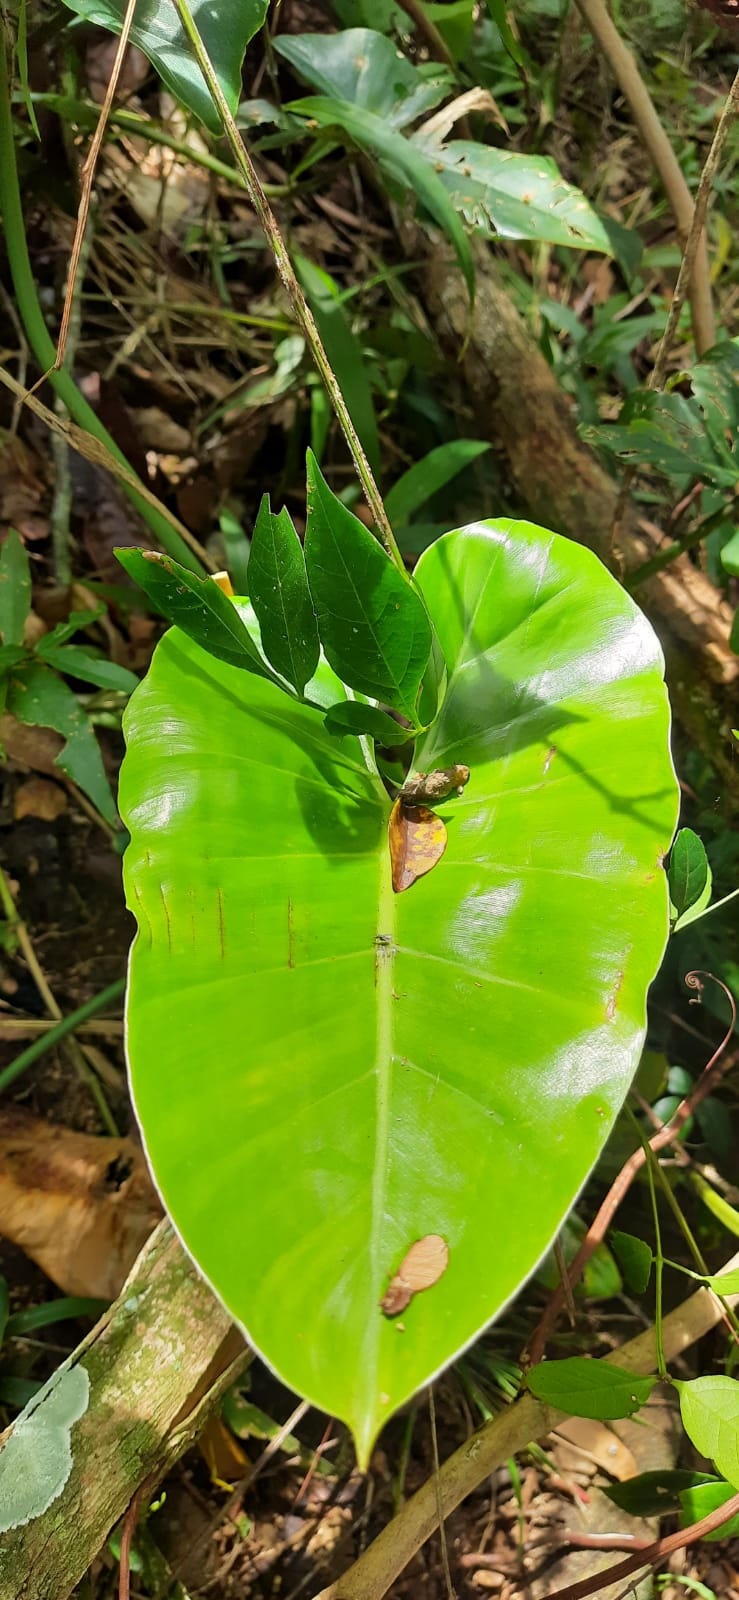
418	840
80	1206
37	797
34	747
422	1267
222	1453
601	1444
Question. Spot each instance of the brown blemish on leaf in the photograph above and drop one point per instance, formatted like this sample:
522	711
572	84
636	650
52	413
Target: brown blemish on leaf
167	917
611	1006
418	839
423	1265
549	757
221	923
144	914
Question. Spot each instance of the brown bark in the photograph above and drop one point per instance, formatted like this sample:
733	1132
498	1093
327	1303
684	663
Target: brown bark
156	1362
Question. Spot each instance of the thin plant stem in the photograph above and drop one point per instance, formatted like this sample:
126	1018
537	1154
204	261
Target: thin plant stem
715	907
659	1263
439	1507
59	1031
679	547
87	176
303	313
39	338
686	275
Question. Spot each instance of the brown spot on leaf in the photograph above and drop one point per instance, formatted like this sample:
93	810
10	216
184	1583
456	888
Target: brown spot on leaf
423	1265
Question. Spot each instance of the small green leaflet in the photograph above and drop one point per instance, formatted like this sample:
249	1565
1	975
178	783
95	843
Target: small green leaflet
427	476
225	30
15	588
36	1460
80	663
724	1282
710	1411
653	1494
698	1500
353	716
40	698
635	1258
594	1389
197	606
279	593
373	625
689	878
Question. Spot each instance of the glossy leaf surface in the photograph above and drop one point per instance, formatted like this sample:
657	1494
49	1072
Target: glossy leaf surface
326	1072
517	196
363	67
225	30
354	716
373	626
279	593
709	1408
197	605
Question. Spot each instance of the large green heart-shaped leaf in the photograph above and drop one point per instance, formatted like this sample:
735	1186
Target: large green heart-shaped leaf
326	1072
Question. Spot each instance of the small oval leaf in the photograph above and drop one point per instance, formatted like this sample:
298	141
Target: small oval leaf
688	870
709	1408
354	716
589	1388
635	1258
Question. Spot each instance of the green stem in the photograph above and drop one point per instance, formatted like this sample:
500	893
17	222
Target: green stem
659	1262
35	328
286	270
717	904
672	551
59	1031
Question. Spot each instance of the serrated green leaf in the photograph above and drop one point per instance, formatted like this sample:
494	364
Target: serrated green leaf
689	876
353	716
79	663
366	70
589	1388
401	160
279	593
427	476
36	1460
700	1499
197	606
225	30
15	588
709	1408
40	698
653	1494
373	626
635	1257
344	351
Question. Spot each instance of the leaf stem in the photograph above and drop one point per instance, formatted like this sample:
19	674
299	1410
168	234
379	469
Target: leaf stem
686	278
34	325
59	1031
284	265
